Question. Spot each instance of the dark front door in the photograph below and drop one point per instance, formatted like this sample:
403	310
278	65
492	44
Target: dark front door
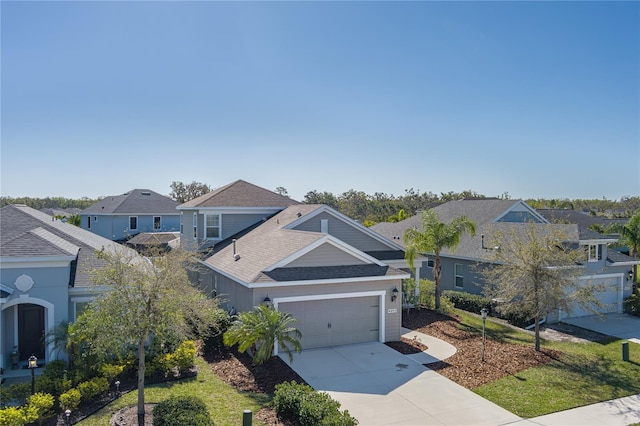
30	331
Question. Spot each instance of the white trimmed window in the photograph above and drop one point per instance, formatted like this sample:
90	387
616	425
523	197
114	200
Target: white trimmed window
458	271
157	223
181	223
595	252
212	226
430	262
133	223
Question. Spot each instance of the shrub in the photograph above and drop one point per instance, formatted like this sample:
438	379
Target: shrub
467	301
446	305
42	404
70	399
287	398
17	416
20	392
632	305
182	411
310	408
184	356
111	371
93	387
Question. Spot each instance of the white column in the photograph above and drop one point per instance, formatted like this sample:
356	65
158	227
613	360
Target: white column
417	289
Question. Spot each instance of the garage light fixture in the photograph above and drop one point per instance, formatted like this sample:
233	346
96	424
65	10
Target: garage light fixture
394	294
630	275
267	301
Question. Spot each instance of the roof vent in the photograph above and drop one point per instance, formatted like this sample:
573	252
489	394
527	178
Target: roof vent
236	256
298	214
145	193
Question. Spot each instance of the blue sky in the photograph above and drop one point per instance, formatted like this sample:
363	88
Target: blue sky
536	99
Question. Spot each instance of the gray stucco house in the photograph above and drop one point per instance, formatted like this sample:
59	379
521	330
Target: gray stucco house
459	268
339	279
120	217
45	269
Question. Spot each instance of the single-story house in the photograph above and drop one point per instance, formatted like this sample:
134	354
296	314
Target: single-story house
120	217
459	268
45	279
339	279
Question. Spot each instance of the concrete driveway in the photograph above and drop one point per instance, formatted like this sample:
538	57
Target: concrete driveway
380	386
616	325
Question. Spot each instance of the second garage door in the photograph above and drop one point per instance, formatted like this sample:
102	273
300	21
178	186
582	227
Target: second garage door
333	322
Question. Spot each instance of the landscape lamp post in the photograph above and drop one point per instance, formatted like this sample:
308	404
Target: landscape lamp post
33	364
67	413
484	313
117	387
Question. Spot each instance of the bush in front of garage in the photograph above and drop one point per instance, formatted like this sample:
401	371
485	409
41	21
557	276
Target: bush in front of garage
632	304
299	401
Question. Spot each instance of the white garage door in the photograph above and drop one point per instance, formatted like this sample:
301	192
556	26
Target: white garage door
333	322
610	298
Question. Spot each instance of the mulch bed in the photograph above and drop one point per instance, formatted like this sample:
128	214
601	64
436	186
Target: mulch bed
465	367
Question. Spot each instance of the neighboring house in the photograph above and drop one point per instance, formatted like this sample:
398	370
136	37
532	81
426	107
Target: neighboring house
120	217
153	242
335	276
45	269
459	272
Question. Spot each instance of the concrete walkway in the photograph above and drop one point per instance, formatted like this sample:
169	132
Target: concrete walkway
622	326
437	350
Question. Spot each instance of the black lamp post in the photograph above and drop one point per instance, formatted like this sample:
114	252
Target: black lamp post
117	383
484	313
67	413
33	364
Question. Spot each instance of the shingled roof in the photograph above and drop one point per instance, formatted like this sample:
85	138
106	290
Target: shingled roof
136	201
271	243
240	194
28	233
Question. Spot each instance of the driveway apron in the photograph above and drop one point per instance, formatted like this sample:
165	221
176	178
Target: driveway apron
617	325
380	386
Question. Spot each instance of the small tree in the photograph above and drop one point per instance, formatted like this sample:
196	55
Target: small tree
630	236
260	329
144	300
435	236
535	271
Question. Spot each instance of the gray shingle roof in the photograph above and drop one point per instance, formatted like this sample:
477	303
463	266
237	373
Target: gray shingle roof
240	194
269	244
136	201
327	273
26	232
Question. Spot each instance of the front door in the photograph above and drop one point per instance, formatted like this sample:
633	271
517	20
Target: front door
30	331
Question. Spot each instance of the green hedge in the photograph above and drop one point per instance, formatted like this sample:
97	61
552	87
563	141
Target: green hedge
183	411
300	402
467	301
632	305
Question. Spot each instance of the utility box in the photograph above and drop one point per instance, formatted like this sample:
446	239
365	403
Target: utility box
625	351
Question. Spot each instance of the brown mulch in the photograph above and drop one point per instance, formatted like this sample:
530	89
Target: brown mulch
466	367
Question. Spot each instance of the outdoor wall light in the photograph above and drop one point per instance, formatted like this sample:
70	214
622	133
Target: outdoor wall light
394	294
267	301
630	275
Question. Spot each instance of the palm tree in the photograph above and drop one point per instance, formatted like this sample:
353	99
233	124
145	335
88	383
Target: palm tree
260	329
435	236
630	236
58	337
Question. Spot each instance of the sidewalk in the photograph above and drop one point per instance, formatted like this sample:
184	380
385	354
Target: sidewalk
618	412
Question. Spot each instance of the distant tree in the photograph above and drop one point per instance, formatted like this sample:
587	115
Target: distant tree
432	238
399	217
185	192
282	191
315	197
144	300
259	330
535	272
629	236
74	219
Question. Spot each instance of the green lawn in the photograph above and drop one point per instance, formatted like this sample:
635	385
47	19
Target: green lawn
586	374
225	404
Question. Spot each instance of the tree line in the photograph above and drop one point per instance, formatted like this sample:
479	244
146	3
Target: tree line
369	208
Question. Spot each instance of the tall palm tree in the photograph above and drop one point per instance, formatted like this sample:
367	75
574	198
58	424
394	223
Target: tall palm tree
260	329
630	236
435	236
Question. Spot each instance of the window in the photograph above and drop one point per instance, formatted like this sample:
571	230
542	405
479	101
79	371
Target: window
212	226
595	252
88	222
430	262
195	225
80	307
458	268
157	223
133	223
181	224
